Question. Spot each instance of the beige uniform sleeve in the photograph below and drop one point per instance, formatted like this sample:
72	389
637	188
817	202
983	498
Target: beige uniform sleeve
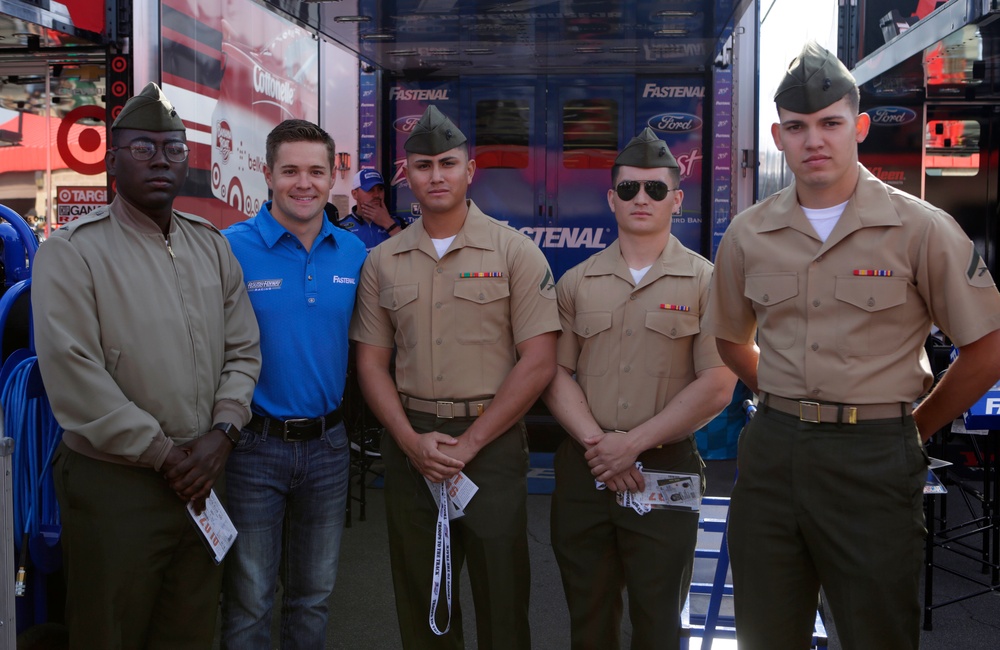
955	283
78	379
730	315
533	308
568	346
370	323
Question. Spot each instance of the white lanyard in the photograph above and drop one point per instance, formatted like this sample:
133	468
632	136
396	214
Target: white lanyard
442	555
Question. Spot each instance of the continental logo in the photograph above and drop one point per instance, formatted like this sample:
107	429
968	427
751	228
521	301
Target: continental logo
567	237
267	84
264	285
420	95
674	122
663	92
891	115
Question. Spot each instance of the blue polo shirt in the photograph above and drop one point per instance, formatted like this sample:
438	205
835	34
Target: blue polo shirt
371	234
303	301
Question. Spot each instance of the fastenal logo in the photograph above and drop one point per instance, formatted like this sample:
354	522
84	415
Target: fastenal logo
675	122
406	123
342	280
663	92
420	95
264	285
223	139
891	115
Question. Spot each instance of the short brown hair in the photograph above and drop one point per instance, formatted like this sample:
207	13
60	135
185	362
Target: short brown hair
298	131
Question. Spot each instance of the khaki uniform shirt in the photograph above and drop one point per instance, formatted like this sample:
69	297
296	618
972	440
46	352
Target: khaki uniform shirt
142	346
632	353
845	321
455	334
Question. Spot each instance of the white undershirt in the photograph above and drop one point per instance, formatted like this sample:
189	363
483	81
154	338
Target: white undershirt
639	274
441	245
824	220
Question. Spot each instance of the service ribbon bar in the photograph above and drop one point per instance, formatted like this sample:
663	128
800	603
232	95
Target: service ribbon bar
675	307
882	273
488	274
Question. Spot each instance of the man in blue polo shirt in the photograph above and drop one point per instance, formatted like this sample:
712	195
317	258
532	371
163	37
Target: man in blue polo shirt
370	219
288	476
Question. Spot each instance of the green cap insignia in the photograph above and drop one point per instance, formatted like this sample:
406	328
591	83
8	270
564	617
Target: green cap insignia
814	80
150	110
434	134
646	150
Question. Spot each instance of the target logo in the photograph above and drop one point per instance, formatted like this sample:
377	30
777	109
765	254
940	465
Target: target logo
88	140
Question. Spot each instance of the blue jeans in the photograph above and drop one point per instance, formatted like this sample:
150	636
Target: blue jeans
288	502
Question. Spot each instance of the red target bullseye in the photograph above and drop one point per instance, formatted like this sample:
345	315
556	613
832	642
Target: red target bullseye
90	139
119	89
119	64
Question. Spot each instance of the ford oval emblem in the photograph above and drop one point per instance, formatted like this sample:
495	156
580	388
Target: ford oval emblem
406	123
675	122
891	115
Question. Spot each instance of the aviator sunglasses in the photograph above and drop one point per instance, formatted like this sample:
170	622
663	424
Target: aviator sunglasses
656	190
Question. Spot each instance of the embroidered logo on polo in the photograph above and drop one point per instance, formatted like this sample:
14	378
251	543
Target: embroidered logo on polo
337	279
264	285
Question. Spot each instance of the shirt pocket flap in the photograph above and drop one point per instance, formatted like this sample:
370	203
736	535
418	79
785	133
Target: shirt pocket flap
395	297
673	324
481	290
591	323
771	288
871	293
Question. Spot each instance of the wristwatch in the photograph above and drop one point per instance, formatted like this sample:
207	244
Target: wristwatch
230	430
394	225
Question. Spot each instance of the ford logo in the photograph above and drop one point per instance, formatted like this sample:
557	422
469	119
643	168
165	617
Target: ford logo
406	123
675	122
891	115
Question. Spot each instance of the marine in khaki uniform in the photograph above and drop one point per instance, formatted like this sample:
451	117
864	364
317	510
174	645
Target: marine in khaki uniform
841	276
469	305
646	379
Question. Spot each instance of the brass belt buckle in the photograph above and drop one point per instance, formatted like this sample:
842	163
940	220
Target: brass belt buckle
451	409
810	405
850	414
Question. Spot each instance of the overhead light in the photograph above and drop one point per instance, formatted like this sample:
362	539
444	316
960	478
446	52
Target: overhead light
589	50
625	50
441	51
377	37
352	19
670	32
673	13
403	52
478	51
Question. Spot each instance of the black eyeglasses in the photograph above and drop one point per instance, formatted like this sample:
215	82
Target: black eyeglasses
142	150
656	190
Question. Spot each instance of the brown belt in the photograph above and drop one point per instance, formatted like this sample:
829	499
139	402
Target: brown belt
836	413
472	408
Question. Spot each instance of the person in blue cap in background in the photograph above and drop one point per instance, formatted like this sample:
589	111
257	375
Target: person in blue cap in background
370	219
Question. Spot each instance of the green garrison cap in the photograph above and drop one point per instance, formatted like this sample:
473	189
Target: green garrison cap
814	80
150	110
646	150
434	134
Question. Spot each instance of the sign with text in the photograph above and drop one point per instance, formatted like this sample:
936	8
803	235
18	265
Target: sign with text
74	201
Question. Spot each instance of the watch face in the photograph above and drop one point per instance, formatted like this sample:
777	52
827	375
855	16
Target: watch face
230	431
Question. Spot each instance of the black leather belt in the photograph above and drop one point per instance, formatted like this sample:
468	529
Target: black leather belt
295	429
818	412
